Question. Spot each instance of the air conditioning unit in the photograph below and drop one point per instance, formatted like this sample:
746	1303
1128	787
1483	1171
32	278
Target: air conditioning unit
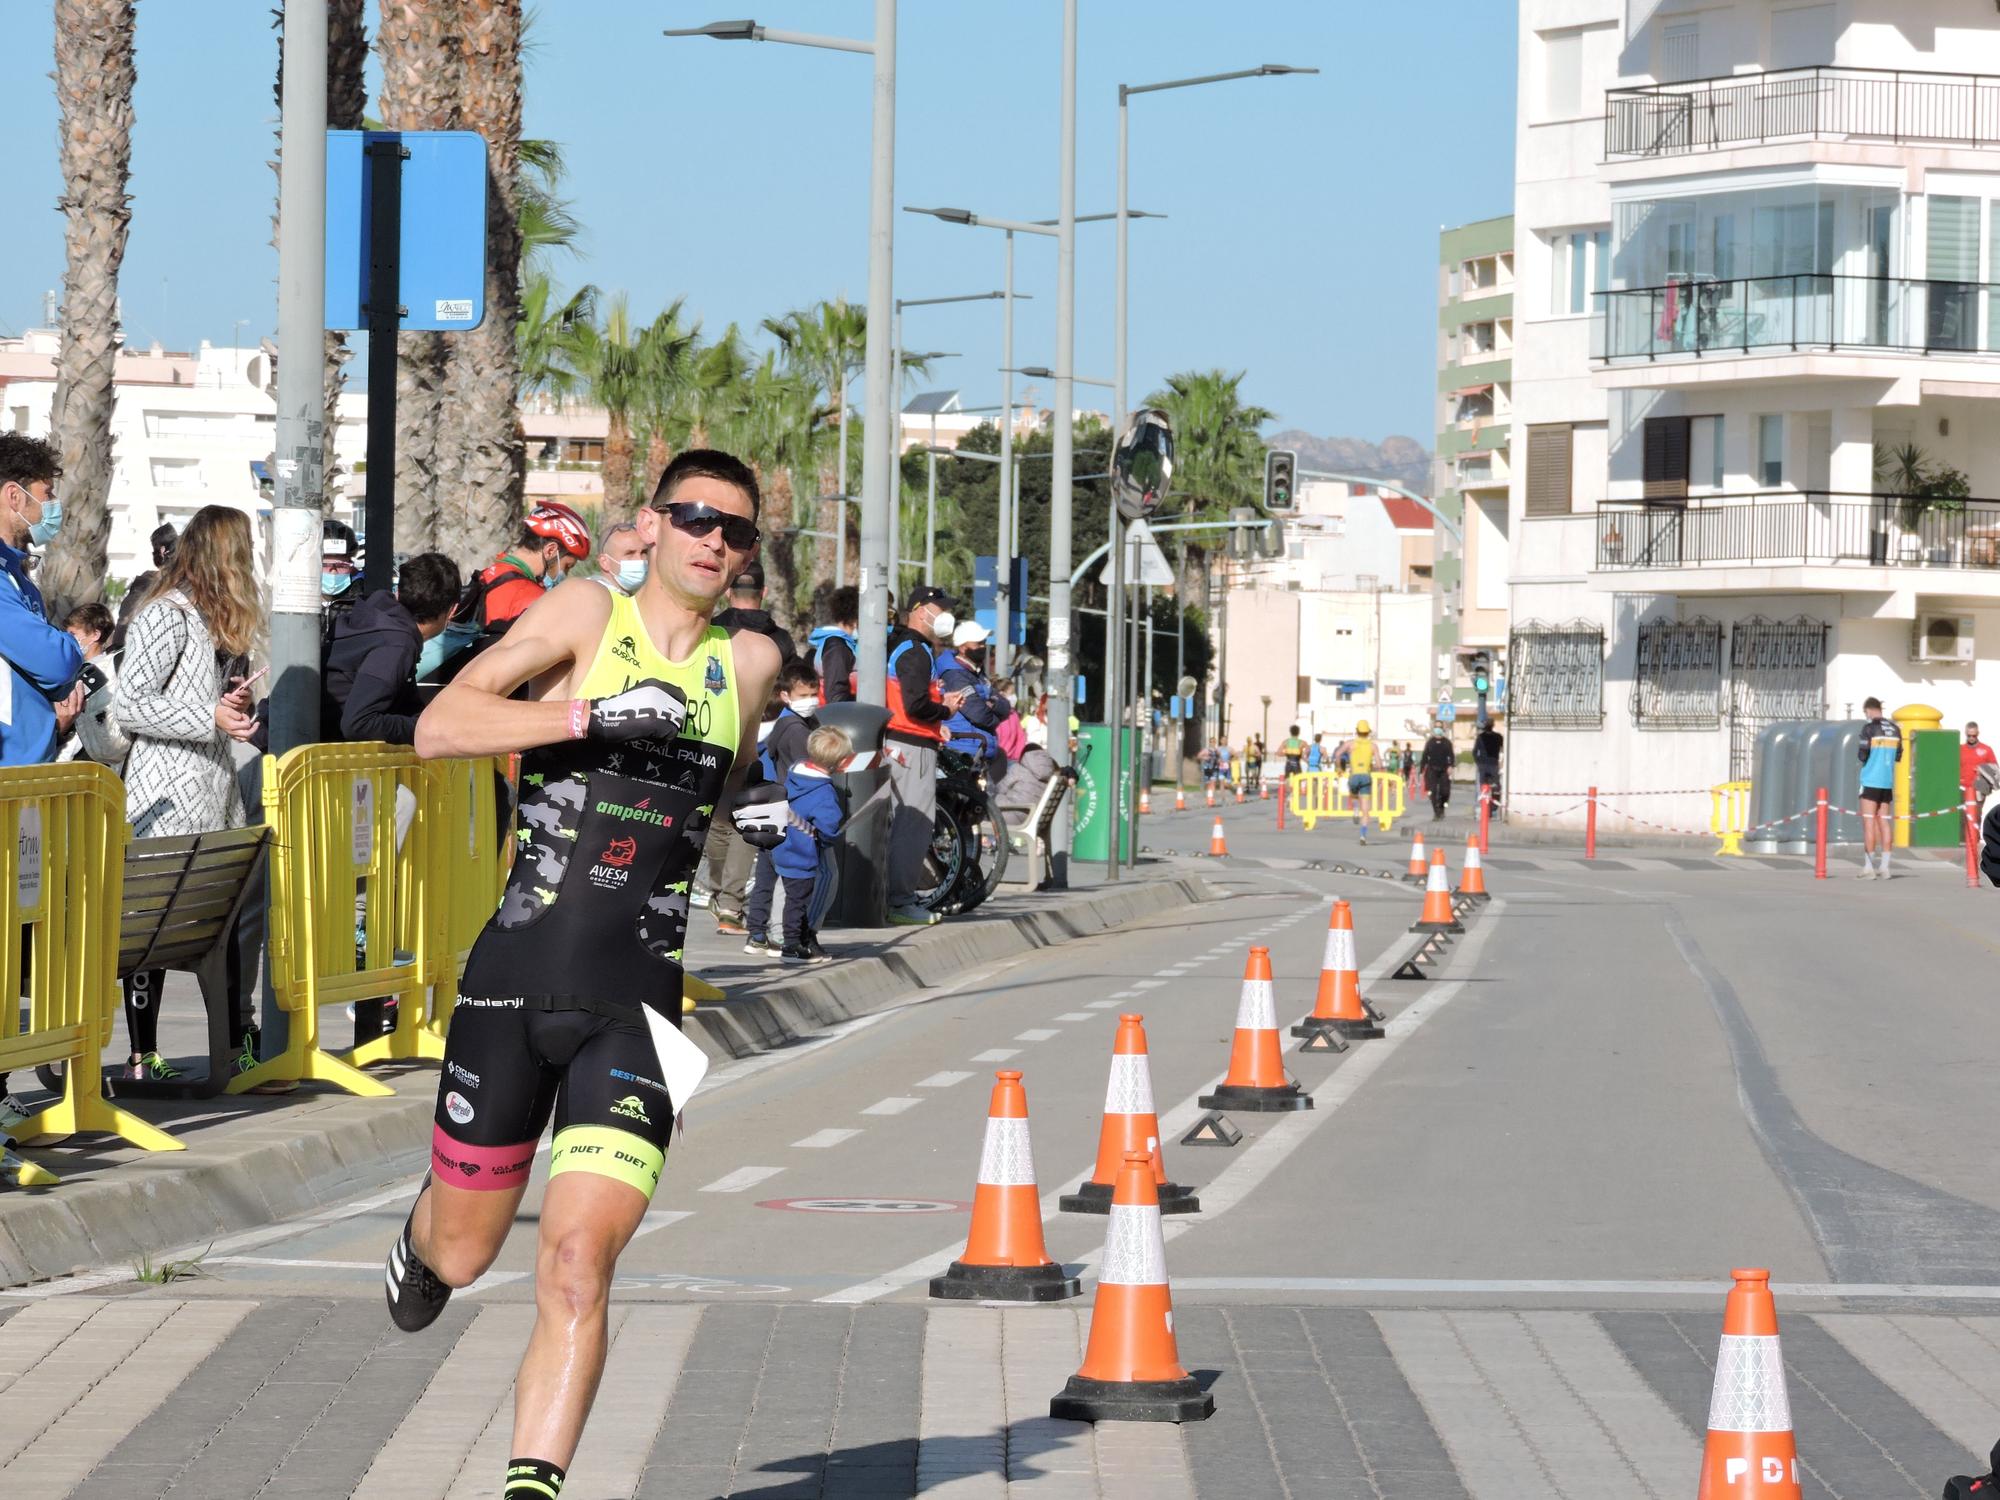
1940	638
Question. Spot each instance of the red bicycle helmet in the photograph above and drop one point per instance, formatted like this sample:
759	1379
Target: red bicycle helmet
561	525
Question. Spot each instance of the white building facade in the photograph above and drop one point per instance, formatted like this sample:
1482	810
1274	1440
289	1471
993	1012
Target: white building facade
1756	371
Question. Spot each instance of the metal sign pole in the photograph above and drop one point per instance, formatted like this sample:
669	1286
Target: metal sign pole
385	316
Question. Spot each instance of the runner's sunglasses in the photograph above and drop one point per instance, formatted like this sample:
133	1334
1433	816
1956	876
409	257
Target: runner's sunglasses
696	519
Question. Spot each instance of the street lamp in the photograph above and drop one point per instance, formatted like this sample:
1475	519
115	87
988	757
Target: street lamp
1009	521
867	837
1113	664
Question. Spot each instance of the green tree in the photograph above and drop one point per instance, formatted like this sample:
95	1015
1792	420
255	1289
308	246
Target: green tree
827	344
1218	455
612	365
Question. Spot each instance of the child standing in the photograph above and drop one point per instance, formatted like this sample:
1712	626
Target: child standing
818	810
797	690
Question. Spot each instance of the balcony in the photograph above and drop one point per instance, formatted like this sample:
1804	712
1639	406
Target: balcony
1823	103
1703	316
1792	530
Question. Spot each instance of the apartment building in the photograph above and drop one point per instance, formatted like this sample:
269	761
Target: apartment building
1473	468
1756	364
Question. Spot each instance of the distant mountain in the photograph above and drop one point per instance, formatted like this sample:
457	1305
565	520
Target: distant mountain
1404	460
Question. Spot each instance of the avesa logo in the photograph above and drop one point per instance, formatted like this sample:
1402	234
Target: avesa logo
620	852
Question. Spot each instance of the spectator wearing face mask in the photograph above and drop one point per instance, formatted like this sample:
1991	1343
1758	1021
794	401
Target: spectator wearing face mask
621	565
553	540
918	712
369	675
797	694
973	727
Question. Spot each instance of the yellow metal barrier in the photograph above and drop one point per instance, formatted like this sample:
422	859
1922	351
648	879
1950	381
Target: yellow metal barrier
1729	814
1324	794
61	890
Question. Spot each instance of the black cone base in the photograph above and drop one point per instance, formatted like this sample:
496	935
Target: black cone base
1212	1129
1095	1198
1408	969
1085	1400
1314	1026
1452	926
1044	1283
1266	1101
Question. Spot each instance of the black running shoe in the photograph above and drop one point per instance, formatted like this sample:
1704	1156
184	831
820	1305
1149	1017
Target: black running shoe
416	1296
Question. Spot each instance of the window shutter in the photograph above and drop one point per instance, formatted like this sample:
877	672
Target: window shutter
1549	467
1666	458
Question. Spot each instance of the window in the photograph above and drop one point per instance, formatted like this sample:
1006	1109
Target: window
1550	465
1580	264
1705	452
1680	52
584	451
1770	451
1665	458
1562	75
1555	677
1678	683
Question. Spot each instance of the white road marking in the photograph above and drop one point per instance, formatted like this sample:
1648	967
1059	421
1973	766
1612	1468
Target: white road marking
1260	1159
1149	984
942	1080
895	1104
1104	1004
741	1179
279	1260
996	1054
1075	1015
819	1140
1039	1034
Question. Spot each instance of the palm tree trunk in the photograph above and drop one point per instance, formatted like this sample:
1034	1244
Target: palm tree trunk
421	69
95	71
484	467
658	456
617	471
780	500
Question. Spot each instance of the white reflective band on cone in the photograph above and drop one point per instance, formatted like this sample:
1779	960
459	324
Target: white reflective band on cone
1130	1091
1006	1159
1134	1252
1437	881
1258	1009
1339	949
1750	1386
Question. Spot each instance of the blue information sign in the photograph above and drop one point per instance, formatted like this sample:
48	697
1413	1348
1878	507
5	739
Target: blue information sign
985	598
443	239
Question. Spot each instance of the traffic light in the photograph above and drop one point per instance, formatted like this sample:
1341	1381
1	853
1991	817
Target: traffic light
1271	538
1281	471
1243	533
1482	667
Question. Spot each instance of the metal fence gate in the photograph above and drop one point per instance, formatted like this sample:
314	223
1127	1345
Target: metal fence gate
1777	672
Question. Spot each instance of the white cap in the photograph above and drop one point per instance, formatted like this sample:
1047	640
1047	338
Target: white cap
971	633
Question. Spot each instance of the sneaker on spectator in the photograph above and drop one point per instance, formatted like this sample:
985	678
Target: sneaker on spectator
791	953
811	943
154	1068
13	1110
731	927
761	945
911	916
246	1055
699	898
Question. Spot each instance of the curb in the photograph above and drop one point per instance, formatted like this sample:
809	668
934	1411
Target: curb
318	1149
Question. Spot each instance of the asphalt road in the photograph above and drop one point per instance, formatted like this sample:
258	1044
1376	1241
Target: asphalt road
1489	1263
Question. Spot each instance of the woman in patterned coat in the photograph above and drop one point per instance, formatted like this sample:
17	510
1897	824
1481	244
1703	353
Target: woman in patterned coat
182	698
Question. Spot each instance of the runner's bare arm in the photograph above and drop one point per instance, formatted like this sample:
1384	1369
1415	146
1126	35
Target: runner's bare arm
756	673
548	645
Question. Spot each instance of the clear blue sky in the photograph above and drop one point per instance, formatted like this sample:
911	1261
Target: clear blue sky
1302	243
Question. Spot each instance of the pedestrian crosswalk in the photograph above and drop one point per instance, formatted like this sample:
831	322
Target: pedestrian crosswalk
227	1395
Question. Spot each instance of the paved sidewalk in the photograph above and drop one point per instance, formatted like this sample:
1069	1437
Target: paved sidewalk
229	1398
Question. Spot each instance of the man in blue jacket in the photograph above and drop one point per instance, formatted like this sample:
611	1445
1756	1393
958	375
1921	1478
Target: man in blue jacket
961	668
38	691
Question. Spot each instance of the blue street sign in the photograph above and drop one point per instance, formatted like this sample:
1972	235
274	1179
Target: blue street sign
443	239
985	598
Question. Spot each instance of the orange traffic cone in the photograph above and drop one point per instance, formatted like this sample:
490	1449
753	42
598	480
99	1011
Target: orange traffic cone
1256	1078
1472	879
1145	802
1239	794
1749	1415
1438	915
1210	790
1005	1259
1180	800
1419	869
1129	1125
1263	790
1340	1013
1217	844
1131	1369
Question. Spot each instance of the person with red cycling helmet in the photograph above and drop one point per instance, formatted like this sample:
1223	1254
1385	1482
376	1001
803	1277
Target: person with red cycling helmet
553	540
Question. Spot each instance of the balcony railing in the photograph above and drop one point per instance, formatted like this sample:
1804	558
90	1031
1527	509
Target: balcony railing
1809	529
1808	310
1870	104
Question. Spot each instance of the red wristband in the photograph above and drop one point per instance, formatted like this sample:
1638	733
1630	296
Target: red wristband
579	717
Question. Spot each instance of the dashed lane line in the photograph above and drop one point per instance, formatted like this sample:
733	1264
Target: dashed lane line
942	1080
820	1140
996	1054
1103	1004
1075	1015
895	1104
742	1179
1039	1034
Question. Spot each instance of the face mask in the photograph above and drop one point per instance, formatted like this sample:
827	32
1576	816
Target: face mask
44	531
943	624
333	585
632	573
804	707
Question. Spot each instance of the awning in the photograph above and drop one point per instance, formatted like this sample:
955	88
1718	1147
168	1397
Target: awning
1474	390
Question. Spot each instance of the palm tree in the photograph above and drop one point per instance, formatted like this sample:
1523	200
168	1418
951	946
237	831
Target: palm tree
1218	456
482	441
612	365
769	420
95	71
826	343
667	351
552	340
422	68
709	392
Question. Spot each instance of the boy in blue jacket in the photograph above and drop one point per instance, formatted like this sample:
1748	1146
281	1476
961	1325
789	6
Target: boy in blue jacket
817	811
784	747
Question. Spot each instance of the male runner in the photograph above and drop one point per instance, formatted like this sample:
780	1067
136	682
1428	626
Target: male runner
1881	747
630	730
1361	776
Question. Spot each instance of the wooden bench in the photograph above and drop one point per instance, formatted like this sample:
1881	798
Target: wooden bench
1028	841
181	901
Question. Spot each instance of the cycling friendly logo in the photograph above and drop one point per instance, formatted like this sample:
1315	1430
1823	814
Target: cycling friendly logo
458	1107
632	1108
